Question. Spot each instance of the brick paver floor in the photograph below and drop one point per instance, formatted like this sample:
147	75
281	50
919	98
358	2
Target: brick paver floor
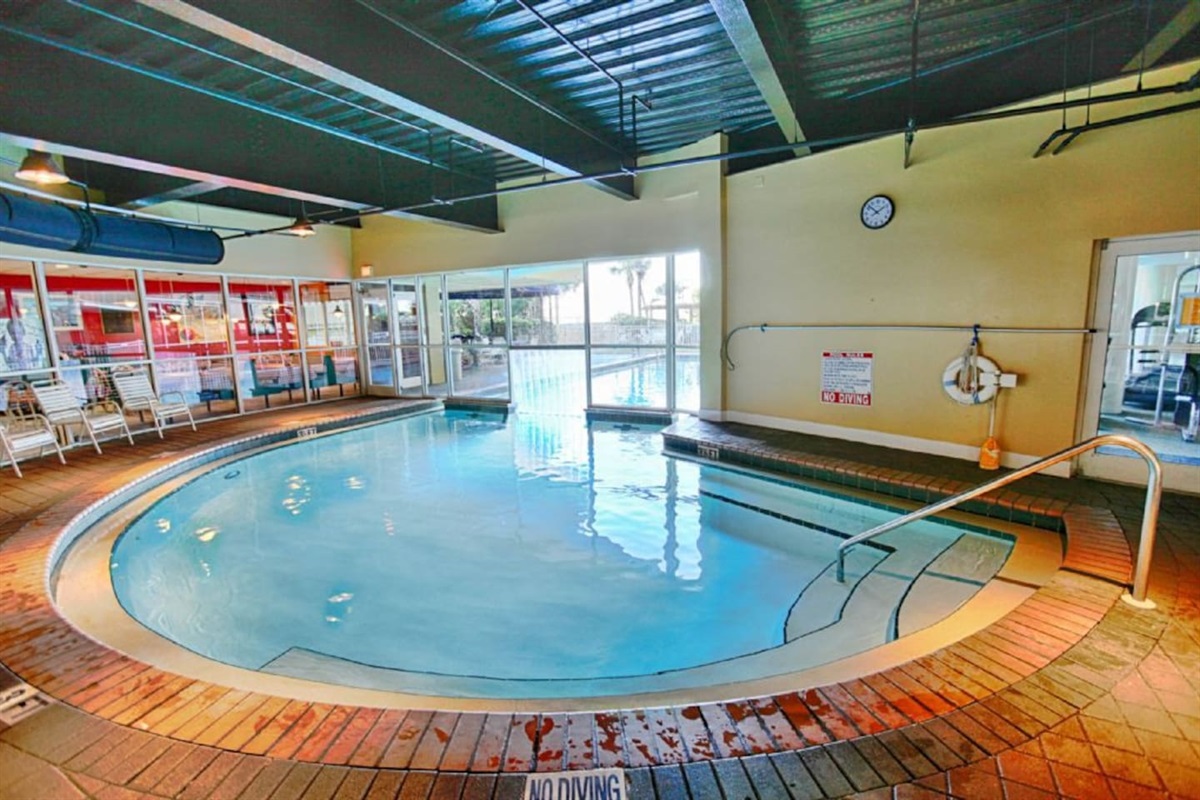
1073	694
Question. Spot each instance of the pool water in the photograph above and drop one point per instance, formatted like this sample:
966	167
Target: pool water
532	549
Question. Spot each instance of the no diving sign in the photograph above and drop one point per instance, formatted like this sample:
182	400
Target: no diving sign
589	784
846	377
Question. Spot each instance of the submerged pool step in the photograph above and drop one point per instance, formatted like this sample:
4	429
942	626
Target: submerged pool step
924	580
950	580
822	602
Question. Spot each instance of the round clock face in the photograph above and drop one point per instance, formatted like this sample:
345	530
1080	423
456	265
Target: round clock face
878	211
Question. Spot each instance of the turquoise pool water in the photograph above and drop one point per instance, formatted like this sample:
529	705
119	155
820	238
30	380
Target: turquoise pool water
533	552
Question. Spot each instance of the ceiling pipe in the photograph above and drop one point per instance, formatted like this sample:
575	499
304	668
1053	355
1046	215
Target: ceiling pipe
123	212
1075	132
1192	84
59	227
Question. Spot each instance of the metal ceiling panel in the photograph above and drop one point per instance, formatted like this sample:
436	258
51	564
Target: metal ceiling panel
438	99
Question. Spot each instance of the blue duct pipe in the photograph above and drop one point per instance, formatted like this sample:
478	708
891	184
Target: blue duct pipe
39	224
27	222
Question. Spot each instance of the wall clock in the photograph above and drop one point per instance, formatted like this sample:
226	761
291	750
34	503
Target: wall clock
877	211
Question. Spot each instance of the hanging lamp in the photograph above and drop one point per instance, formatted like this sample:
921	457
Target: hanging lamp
39	167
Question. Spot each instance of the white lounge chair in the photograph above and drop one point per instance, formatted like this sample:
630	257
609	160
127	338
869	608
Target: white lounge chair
61	407
136	393
21	434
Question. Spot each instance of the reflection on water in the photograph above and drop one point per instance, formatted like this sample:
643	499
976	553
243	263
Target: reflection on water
540	547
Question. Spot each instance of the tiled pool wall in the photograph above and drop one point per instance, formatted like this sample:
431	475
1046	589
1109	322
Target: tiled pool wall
1007	506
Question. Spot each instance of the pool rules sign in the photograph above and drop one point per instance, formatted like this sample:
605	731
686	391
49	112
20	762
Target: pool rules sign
846	378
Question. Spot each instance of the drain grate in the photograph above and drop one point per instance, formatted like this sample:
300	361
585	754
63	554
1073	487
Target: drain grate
19	702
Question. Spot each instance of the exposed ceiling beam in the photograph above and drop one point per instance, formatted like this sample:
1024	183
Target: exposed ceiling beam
185	192
1167	37
758	30
88	108
407	71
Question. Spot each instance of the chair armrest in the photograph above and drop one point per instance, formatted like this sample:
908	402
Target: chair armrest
28	422
138	404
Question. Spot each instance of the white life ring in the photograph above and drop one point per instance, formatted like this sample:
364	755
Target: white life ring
984	393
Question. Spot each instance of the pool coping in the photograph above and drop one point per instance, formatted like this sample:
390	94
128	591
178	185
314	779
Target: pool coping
1007	678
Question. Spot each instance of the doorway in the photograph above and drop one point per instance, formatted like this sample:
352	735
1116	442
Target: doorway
1144	375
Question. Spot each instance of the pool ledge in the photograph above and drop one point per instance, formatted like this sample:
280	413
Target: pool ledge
991	691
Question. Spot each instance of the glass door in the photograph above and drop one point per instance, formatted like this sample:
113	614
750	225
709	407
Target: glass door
377	337
1144	375
407	335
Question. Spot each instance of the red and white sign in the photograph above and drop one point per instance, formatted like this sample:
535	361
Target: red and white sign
846	378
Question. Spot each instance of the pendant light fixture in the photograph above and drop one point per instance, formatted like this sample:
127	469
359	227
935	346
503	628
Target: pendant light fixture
301	227
39	167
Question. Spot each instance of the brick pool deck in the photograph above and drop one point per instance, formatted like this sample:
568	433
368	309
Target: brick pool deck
1072	694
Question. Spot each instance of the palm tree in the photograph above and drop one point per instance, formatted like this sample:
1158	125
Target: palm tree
634	270
624	269
639	268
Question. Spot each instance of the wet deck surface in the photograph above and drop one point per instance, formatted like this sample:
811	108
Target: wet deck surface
1073	694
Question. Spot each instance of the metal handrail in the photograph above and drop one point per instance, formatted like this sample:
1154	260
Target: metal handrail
1149	517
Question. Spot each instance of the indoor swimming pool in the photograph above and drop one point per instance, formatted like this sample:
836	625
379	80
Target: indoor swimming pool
475	555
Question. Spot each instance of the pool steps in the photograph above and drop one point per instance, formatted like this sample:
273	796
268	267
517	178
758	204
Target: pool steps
940	572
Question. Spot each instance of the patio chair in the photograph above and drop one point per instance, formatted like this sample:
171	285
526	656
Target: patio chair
61	407
136	394
22	433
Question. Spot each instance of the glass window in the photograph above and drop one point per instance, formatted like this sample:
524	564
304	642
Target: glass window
264	315
618	301
187	315
478	333
476	307
549	381
22	332
270	379
687	379
437	382
328	317
687	299
205	383
629	377
332	373
94	314
547	305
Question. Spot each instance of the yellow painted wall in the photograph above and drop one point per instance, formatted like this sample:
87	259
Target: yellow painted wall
983	233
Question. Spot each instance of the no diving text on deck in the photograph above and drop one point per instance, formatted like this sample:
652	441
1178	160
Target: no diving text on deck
593	784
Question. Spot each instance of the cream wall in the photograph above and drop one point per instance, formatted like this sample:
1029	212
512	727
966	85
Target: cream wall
983	233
